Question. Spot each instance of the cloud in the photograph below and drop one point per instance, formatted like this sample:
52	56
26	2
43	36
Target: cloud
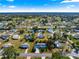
11	6
3	6
70	6
67	1
40	10
10	0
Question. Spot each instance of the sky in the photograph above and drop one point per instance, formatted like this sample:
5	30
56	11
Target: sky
39	5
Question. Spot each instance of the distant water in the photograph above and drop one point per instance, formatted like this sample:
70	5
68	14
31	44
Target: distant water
41	13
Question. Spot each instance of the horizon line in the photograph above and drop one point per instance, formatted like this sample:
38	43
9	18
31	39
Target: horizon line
39	12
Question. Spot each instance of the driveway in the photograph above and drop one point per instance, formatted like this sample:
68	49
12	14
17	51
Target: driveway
1	51
37	50
71	57
43	57
28	57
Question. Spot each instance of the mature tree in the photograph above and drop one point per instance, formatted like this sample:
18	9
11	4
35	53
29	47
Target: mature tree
50	43
9	53
35	28
58	55
21	31
32	37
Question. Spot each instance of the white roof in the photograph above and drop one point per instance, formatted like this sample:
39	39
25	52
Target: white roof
16	36
9	44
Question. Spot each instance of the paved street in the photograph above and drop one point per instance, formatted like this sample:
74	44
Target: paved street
36	54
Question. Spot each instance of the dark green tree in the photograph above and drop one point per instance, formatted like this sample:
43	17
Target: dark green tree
9	53
58	55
